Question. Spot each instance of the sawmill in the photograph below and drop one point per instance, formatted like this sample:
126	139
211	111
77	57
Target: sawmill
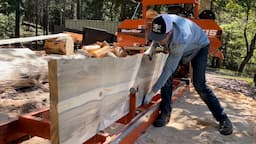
97	81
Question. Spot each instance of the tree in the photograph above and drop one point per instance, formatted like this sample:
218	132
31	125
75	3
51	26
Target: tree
78	9
249	31
237	19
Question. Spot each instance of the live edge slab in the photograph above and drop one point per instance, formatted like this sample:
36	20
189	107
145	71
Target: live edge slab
88	95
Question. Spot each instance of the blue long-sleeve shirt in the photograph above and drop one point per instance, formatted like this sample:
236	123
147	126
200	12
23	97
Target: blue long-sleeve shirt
187	39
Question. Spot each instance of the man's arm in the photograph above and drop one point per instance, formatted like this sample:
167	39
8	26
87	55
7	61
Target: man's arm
170	66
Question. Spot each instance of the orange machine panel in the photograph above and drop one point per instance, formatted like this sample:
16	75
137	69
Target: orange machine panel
132	33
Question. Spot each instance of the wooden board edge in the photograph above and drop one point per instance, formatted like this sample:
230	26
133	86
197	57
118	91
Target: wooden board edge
53	84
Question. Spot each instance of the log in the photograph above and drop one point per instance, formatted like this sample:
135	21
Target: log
87	96
21	68
63	46
69	43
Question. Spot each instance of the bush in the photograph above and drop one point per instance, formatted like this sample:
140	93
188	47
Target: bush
7	25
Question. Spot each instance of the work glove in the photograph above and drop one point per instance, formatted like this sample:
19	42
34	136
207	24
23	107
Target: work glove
147	98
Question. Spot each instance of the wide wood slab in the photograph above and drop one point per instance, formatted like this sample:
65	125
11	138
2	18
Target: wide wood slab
88	95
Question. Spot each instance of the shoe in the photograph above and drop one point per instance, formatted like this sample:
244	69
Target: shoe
226	127
162	119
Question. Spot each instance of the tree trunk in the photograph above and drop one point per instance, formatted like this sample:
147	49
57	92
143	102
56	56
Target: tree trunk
37	18
17	19
45	17
215	62
249	53
123	13
254	79
78	9
244	62
98	14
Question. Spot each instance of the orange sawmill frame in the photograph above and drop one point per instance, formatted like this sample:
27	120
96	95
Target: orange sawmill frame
135	122
132	32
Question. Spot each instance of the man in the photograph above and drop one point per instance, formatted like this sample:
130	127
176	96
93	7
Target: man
186	42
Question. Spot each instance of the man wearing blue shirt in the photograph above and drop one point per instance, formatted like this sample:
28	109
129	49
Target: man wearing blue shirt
186	42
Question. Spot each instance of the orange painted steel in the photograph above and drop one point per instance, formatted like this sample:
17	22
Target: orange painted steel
30	124
132	109
147	3
139	27
35	126
38	124
140	122
9	132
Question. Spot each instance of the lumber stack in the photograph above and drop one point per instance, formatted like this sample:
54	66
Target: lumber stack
88	95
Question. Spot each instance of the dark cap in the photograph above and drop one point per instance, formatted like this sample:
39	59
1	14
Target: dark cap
161	26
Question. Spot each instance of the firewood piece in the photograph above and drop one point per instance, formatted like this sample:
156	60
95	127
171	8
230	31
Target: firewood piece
101	52
102	44
91	47
111	54
120	52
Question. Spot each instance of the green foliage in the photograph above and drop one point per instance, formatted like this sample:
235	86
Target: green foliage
7	25
232	15
7	6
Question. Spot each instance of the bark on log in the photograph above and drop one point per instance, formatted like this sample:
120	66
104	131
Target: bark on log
61	46
21	68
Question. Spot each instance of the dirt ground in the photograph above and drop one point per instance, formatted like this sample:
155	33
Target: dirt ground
191	122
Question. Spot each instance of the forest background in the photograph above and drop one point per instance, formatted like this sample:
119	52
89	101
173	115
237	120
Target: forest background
237	18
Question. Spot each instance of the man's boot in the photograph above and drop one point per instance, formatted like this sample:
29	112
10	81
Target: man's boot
225	127
162	119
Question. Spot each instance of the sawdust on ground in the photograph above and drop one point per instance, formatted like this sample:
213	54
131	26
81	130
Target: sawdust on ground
192	123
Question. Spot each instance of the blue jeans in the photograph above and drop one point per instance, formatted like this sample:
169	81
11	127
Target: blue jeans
199	64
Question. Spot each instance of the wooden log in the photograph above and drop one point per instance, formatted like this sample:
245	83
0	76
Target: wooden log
54	46
21	68
63	46
87	96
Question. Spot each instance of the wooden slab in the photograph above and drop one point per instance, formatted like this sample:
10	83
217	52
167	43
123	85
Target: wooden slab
148	74
88	95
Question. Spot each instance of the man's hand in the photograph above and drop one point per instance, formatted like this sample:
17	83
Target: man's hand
150	50
148	97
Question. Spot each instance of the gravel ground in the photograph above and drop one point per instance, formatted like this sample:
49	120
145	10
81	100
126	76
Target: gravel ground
192	123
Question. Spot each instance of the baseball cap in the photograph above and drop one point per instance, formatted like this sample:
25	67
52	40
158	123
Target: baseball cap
161	26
